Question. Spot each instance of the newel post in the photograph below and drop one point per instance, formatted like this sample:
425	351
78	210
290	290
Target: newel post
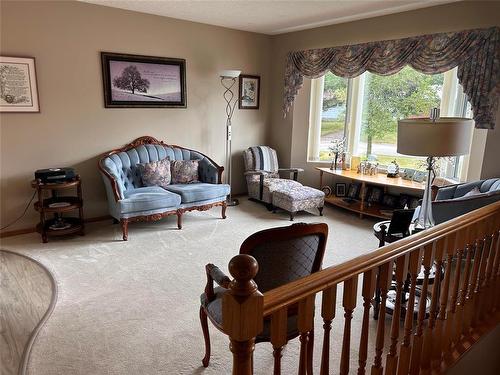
242	309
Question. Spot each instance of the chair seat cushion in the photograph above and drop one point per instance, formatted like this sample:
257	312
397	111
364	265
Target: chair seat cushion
148	198
199	191
214	311
298	198
270	185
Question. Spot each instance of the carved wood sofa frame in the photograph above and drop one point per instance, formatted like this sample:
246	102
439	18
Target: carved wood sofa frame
148	140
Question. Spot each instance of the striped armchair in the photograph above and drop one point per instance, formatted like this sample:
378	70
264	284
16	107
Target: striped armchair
262	173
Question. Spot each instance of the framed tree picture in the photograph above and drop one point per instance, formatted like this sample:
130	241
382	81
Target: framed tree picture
143	81
18	88
249	92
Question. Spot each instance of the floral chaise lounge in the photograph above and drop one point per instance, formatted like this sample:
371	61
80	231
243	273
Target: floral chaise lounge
130	200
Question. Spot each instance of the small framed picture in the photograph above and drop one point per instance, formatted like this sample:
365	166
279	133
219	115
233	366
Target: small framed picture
143	81
419	176
353	191
249	94
408	174
375	195
18	88
340	189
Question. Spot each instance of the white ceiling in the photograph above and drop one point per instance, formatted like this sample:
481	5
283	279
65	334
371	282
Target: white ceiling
269	16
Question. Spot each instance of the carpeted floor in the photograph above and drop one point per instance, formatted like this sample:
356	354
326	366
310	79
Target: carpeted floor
132	307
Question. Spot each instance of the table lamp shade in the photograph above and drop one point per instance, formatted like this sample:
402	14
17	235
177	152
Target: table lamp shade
230	73
446	136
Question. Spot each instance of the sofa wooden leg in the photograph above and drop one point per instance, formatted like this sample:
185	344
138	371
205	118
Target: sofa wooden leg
224	206
292	214
320	211
116	221
179	219
124	223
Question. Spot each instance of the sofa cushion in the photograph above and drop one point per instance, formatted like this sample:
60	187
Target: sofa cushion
199	191
184	171
156	173
148	198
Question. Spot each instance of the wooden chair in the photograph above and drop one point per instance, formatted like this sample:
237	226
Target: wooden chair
283	255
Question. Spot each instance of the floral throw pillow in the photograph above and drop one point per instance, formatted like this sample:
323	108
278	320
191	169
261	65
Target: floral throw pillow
184	171
156	173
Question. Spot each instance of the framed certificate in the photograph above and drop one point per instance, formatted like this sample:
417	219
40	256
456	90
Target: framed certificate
18	88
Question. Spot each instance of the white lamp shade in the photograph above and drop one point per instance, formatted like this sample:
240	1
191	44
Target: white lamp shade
446	136
230	73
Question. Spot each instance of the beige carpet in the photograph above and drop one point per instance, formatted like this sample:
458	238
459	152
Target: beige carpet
132	307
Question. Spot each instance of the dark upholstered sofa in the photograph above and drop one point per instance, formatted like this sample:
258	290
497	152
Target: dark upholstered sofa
451	201
129	200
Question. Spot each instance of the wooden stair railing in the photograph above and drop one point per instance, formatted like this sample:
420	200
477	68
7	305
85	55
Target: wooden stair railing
428	339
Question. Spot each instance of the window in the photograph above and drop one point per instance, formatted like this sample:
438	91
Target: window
366	109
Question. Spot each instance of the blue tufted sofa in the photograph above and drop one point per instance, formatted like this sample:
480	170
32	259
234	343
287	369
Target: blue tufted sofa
129	200
451	201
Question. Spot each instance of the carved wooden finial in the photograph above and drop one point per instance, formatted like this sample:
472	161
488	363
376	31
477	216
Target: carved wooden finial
243	268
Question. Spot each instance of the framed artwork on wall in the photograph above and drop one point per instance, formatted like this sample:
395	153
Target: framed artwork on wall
18	88
249	92
143	81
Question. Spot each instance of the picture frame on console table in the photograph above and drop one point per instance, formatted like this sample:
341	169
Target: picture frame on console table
136	81
249	92
18	85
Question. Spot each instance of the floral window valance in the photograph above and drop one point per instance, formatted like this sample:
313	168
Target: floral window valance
475	52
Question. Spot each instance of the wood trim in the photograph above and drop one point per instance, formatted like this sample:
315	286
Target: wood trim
295	291
146	140
18	232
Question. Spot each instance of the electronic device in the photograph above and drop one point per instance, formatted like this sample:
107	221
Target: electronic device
55	174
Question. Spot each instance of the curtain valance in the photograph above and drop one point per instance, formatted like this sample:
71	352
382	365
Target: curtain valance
475	52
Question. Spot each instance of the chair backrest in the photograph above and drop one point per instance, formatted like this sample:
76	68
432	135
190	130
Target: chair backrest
287	253
261	158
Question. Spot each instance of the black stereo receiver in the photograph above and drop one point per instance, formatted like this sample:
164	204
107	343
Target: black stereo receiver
55	174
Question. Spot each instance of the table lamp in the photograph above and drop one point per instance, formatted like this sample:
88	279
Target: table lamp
228	79
433	137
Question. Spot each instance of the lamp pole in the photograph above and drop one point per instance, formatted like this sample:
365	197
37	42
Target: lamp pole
228	80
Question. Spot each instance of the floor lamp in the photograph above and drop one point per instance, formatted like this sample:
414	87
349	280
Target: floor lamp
228	79
433	137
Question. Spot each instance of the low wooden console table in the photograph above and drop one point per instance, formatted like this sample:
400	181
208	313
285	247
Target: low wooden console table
379	179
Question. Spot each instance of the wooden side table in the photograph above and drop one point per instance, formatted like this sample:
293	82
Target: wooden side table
51	201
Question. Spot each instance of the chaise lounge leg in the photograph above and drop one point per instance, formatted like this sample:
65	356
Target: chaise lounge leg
124	224
179	219
224	206
292	214
320	211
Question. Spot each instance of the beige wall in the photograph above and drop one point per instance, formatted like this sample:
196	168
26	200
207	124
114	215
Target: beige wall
289	135
73	127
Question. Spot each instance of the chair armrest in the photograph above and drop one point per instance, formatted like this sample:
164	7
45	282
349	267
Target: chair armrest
215	274
256	173
295	171
290	170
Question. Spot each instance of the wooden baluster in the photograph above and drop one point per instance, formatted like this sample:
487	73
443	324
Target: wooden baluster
462	294
429	332
369	282
450	321
478	292
469	298
495	297
443	301
416	352
485	286
328	303
242	312
349	303
305	326
404	354
465	301
488	305
401	275
279	322
385	278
